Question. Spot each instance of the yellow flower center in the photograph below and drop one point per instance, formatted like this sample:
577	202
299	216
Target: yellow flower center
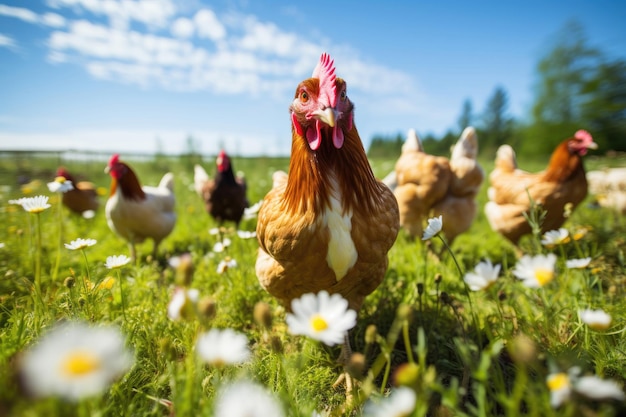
60	180
80	363
558	381
543	276
318	323
36	210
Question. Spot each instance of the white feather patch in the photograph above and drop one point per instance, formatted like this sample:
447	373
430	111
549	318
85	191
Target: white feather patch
342	254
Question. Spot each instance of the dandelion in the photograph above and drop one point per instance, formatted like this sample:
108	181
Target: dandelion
107	283
60	185
80	244
577	263
535	271
555	237
484	275
183	303
116	261
400	403
245	234
595	319
33	205
434	227
222	347
246	399
321	317
225	264
560	388
75	360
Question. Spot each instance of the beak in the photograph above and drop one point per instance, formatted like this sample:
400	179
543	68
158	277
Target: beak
107	169
327	116
592	145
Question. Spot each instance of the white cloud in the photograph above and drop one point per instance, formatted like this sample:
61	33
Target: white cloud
53	20
208	25
183	28
19	13
7	42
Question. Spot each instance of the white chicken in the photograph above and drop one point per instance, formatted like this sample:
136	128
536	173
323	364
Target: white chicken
135	212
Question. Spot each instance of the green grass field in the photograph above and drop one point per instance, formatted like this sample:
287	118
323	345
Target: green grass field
463	353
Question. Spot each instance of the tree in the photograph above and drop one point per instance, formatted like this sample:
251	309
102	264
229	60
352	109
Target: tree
497	122
467	117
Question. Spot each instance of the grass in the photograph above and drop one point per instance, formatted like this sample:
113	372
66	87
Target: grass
464	353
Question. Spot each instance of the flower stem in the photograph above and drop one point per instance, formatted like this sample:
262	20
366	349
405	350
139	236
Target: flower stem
55	272
119	278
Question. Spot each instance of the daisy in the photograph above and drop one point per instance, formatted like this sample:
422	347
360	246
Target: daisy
400	403
434	227
80	244
555	237
578	263
222	347
88	214
484	275
321	317
183	303
116	261
225	264
76	360
33	204
60	185
221	246
599	389
560	388
245	234
535	271
246	399
595	319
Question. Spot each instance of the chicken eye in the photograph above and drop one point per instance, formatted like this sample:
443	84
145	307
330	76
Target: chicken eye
343	95
304	96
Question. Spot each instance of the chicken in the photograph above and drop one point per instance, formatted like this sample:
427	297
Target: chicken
429	185
608	186
225	195
135	212
83	198
511	189
329	224
458	207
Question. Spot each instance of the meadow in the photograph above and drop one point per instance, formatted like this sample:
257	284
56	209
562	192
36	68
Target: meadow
507	350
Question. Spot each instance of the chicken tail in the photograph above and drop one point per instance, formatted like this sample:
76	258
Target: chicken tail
200	177
167	181
505	159
412	143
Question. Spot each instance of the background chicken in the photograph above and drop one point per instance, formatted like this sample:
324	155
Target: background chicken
330	223
608	186
83	198
429	185
225	195
135	212
512	189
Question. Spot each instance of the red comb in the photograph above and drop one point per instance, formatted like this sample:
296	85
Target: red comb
114	159
325	71
583	135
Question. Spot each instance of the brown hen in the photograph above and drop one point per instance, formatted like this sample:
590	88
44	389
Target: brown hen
83	198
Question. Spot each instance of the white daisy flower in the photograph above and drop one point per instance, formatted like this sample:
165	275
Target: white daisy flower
222	347
400	403
33	204
578	263
116	261
18	202
246	399
183	303
321	317
434	227
221	246
60	185
76	360
595	319
214	231
88	214
535	271
599	389
555	237
245	234
252	211
560	388
225	264
484	275
80	244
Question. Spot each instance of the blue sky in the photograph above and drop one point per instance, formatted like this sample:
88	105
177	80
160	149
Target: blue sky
132	75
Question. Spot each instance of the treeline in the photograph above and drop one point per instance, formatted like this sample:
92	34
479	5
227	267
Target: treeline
577	86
